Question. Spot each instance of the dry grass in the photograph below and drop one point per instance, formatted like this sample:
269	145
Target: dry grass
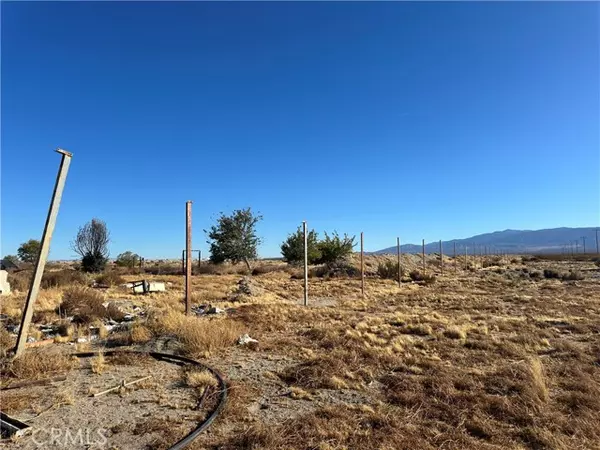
199	378
140	334
198	336
98	364
36	363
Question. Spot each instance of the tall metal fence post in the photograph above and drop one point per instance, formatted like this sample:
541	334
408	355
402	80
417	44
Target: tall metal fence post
441	258
455	262
40	264
423	253
304	227
188	258
399	251
362	264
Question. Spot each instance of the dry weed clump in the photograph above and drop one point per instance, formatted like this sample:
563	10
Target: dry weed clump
35	363
98	364
140	333
86	305
63	278
110	278
198	336
7	342
199	378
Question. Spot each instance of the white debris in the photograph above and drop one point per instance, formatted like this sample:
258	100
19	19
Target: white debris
245	339
30	339
81	340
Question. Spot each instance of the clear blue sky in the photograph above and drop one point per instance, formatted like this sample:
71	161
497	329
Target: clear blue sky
418	120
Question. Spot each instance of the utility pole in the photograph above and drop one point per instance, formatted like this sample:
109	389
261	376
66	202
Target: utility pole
423	254
304	227
399	252
583	239
441	258
362	264
188	258
40	264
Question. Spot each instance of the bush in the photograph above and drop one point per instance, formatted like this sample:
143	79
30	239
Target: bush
20	281
266	268
536	275
293	247
111	278
388	270
61	278
572	276
85	305
128	259
417	275
549	273
28	251
91	243
334	270
335	249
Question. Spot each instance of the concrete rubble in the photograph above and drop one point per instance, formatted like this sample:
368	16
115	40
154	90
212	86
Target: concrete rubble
4	284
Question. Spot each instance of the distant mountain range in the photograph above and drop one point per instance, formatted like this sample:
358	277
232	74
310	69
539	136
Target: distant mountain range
554	240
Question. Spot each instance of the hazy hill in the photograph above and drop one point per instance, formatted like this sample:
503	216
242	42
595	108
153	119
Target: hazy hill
513	241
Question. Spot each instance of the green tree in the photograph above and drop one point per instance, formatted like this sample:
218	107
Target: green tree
91	243
234	237
12	258
29	251
128	259
292	248
335	249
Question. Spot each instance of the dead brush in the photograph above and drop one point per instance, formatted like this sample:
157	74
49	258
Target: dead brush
35	363
198	336
7	342
86	305
63	278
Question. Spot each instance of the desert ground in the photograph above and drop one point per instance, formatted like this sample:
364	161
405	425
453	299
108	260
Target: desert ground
493	353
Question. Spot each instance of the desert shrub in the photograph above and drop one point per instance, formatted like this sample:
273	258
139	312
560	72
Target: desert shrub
572	276
293	247
20	281
39	362
536	275
6	342
86	305
417	275
127	259
339	269
110	278
265	268
550	273
62	278
388	270
335	248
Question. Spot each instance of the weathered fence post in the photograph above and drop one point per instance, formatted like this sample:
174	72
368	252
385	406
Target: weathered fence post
441	258
399	251
362	264
423	254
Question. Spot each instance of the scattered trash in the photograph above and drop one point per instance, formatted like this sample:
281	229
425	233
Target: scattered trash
246	339
81	340
246	287
10	426
123	384
145	286
207	309
30	339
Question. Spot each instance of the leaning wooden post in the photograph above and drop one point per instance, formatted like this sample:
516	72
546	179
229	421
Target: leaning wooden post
188	258
441	259
399	252
40	264
305	263
362	265
423	254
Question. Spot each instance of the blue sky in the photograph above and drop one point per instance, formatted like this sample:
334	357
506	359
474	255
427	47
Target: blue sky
418	120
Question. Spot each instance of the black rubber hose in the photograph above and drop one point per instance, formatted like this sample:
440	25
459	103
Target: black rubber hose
179	360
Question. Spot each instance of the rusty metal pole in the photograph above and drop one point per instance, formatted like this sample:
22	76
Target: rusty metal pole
40	264
304	227
199	260
399	251
362	265
441	258
423	254
183	261
188	258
